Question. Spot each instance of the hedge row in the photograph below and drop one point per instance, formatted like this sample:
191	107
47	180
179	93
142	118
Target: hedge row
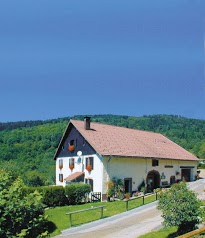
60	196
52	195
76	193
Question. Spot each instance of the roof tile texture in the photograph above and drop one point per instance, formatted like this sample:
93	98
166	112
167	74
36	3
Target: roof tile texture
121	141
74	176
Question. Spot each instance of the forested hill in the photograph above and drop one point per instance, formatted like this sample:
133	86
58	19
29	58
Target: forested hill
28	147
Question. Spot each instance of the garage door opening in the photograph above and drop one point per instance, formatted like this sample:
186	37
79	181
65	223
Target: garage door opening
186	175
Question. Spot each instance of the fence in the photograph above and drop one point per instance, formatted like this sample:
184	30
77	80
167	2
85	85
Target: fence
84	210
96	197
140	197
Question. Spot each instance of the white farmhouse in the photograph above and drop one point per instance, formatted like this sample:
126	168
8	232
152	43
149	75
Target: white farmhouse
94	153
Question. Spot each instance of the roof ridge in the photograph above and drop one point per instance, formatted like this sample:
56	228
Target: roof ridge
129	128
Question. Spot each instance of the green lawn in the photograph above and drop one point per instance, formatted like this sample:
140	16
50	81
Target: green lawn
58	220
169	232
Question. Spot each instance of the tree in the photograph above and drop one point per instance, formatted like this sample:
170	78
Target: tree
21	215
34	179
180	207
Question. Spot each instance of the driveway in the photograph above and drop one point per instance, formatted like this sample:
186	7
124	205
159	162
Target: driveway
130	224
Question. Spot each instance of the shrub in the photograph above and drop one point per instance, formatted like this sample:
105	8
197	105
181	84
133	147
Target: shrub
111	189
141	187
76	192
115	188
180	207
52	195
20	215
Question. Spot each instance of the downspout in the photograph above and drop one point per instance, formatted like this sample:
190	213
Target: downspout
108	167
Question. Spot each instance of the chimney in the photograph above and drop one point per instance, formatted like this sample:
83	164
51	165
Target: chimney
87	123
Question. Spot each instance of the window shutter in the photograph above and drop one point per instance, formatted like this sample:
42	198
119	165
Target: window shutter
71	161
92	162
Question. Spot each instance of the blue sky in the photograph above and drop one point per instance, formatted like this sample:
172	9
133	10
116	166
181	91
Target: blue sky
65	58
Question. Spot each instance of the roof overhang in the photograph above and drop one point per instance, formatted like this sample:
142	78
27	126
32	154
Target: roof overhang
74	176
62	140
146	157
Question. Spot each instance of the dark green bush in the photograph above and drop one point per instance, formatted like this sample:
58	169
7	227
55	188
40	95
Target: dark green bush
52	195
76	192
201	165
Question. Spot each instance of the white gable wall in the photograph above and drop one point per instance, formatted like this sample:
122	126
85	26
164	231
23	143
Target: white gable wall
95	174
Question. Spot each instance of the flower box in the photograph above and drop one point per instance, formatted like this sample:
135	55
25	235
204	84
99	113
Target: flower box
71	147
60	166
71	166
89	168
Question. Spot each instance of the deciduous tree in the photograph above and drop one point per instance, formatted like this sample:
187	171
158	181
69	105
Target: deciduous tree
180	207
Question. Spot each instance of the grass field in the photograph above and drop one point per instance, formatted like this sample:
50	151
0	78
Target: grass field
162	233
58	220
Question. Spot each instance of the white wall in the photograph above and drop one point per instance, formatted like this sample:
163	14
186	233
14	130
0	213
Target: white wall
137	169
95	174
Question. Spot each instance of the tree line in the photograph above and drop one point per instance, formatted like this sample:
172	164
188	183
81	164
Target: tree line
27	148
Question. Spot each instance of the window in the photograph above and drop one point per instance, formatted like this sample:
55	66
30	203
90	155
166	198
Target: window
71	146
71	142
71	163
61	178
60	163
155	162
89	163
90	182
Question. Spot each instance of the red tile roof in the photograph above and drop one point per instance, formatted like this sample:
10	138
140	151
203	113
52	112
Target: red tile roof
73	176
120	141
